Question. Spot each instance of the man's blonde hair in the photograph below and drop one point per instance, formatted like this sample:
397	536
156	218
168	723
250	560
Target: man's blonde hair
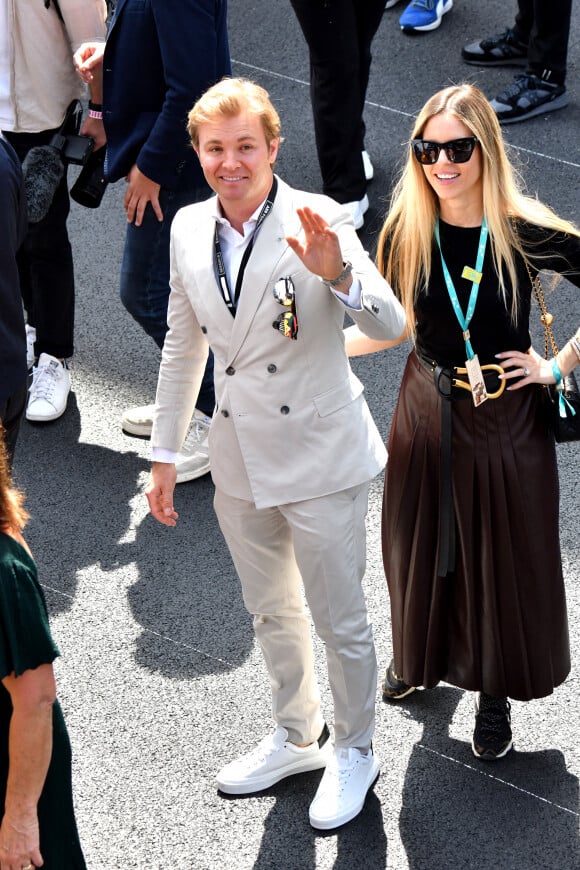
228	98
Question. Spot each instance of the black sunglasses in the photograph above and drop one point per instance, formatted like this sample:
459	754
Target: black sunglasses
457	150
284	294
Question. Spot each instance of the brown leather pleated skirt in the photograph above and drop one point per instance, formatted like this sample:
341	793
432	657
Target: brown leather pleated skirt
497	622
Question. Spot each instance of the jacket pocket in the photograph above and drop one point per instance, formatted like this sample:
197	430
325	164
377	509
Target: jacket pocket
338	397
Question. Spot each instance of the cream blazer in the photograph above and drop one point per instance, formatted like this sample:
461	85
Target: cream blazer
291	421
43	78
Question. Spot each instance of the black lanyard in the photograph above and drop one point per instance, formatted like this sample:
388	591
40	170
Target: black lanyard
221	269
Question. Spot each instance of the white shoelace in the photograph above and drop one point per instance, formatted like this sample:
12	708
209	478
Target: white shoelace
266	747
196	435
44	380
341	768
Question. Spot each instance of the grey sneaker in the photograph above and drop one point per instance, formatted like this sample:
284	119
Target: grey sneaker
500	50
527	97
193	458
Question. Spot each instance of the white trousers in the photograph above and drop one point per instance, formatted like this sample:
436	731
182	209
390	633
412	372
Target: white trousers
321	543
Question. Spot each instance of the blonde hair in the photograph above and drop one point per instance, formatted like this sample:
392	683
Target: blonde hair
408	229
12	512
227	99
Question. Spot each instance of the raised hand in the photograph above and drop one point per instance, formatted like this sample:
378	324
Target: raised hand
320	252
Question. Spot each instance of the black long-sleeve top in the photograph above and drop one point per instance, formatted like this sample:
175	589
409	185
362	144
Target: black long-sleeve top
439	334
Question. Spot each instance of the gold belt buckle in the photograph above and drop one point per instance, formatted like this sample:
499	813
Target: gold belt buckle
465	385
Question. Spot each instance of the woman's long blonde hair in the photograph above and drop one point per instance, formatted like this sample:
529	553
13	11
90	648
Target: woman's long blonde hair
407	234
12	513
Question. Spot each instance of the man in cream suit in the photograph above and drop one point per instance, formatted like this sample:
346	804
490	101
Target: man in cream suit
263	274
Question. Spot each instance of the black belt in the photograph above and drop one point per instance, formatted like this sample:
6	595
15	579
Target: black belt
451	387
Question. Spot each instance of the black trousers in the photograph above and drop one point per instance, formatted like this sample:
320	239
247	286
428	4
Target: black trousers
339	35
546	28
11	414
45	265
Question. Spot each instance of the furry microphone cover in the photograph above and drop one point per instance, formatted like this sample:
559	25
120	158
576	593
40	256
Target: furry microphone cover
43	170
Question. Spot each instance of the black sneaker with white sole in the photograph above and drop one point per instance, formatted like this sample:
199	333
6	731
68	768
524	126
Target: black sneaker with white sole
504	49
527	97
492	737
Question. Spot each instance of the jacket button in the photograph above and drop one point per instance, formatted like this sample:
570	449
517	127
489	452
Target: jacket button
272	368
230	370
225	413
204	329
284	409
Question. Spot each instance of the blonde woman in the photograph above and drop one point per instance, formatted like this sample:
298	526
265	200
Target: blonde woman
37	823
470	519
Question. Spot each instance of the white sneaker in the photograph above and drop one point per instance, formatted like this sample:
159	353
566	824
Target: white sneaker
49	390
193	458
30	339
273	759
368	166
138	421
343	788
357	210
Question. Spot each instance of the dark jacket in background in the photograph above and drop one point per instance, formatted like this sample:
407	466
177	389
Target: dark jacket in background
161	55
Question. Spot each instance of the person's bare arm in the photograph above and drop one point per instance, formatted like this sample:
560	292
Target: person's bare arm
29	752
359	344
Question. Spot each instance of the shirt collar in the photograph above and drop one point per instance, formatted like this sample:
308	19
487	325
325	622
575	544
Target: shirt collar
249	225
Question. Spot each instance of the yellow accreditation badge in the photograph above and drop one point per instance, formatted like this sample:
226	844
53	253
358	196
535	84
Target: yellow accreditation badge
471	274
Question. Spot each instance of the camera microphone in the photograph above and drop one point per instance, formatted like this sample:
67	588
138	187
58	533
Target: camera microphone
43	170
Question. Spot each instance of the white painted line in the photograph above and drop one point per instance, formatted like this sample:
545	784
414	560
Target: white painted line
498	779
400	112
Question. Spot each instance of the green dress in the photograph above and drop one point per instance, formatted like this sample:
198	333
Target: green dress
26	643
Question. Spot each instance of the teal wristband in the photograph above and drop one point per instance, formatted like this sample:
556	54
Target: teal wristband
556	371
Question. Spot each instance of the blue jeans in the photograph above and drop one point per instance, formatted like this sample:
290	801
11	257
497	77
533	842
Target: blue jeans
145	276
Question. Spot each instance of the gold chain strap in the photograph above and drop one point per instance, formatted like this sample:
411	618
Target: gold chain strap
546	318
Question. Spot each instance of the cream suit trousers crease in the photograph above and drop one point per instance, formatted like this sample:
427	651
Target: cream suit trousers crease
320	543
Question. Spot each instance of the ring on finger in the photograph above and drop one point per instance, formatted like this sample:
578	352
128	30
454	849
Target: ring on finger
526	372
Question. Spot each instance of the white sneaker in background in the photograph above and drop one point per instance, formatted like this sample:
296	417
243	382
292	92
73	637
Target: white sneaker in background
368	166
193	459
138	421
357	210
30	339
49	390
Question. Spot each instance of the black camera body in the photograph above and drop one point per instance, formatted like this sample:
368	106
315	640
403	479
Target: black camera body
90	186
73	148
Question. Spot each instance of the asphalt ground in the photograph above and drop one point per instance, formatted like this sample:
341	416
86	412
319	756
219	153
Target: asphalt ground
160	679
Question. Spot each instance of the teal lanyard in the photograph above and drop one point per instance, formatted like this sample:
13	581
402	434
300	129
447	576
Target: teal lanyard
465	320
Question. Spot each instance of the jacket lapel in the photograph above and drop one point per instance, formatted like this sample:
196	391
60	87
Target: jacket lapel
202	241
118	6
269	248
